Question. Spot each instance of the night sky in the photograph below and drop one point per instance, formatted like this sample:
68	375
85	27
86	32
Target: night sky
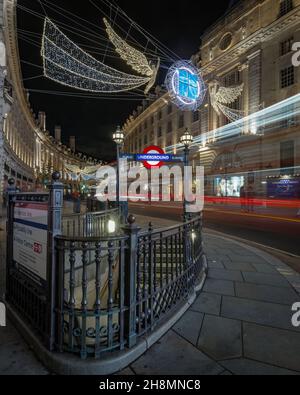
93	120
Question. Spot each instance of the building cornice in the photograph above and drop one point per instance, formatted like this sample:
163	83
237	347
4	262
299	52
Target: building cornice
262	35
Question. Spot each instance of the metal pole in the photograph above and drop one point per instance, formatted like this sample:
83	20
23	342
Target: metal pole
56	190
118	176
131	230
186	163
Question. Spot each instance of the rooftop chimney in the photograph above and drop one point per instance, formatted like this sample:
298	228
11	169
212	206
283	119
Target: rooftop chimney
42	120
72	143
57	133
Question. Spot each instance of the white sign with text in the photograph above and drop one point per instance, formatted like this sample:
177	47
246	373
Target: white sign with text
30	237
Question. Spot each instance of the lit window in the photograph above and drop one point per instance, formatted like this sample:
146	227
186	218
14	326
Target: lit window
287	77
285	7
181	121
195	116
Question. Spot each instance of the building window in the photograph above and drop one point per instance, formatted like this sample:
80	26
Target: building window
170	109
287	77
195	116
287	157
170	127
145	125
152	120
146	139
285	7
159	115
226	42
286	46
159	132
181	121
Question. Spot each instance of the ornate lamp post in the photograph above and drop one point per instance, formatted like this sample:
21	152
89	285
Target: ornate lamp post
118	138
186	140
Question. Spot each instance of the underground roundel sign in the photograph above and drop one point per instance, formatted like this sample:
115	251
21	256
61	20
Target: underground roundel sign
153	157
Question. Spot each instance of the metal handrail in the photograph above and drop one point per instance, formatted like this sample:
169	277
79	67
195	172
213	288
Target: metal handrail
113	290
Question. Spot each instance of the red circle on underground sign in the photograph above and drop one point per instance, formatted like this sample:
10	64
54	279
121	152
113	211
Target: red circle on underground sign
155	151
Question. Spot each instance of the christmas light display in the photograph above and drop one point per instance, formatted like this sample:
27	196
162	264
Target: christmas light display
134	58
221	96
89	172
66	63
185	85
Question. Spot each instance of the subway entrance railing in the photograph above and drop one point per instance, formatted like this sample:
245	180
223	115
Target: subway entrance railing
97	293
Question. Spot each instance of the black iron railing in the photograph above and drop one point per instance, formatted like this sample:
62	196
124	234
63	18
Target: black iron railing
111	291
93	224
168	266
90	294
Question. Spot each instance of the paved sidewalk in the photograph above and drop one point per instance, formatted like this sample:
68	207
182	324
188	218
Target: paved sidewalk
239	324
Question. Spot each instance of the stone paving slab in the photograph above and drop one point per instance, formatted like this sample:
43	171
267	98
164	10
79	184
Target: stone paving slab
222	274
189	326
15	355
208	303
220	287
247	367
173	355
266	293
274	346
270	314
264	268
239	266
221	338
266	279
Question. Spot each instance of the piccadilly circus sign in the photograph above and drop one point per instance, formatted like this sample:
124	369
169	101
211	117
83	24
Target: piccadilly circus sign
186	86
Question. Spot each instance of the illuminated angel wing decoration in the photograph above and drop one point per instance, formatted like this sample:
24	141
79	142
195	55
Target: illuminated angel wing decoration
87	173
221	97
134	58
65	63
229	95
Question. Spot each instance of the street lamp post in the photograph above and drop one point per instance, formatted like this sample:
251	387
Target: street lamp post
186	140
118	138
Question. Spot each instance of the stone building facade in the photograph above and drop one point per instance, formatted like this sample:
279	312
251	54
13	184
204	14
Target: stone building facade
250	45
28	152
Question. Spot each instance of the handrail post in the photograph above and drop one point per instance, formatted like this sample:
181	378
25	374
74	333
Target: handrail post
10	193
54	229
131	230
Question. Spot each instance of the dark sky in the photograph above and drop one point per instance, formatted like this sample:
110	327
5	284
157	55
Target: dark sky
92	121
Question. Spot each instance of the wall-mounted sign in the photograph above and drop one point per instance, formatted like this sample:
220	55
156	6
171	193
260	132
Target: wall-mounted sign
153	157
30	232
185	85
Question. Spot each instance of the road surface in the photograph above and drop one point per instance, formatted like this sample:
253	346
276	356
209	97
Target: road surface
271	229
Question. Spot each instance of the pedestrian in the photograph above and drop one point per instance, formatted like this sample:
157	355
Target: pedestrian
250	199
242	198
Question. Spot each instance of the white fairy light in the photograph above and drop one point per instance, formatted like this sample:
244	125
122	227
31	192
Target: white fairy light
185	85
66	63
222	96
134	58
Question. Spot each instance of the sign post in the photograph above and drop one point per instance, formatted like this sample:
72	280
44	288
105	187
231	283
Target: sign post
56	202
34	220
